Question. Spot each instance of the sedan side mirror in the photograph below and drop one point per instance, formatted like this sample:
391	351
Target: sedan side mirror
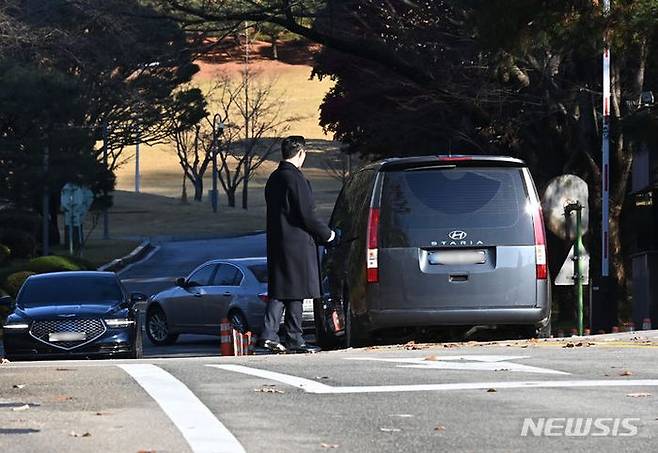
180	281
138	297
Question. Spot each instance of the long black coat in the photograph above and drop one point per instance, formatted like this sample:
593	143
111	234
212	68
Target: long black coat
293	232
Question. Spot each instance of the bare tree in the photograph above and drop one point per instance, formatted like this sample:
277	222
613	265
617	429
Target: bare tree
253	127
340	165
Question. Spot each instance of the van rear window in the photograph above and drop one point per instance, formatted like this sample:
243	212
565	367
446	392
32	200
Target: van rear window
457	207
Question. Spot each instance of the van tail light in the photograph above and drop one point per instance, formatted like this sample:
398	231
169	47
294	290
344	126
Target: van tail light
540	243
264	297
372	259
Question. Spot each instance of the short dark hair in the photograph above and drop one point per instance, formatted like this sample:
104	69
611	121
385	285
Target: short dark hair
291	146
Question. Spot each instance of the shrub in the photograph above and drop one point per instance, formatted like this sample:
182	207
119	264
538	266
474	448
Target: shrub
45	264
15	281
16	219
5	253
83	264
21	243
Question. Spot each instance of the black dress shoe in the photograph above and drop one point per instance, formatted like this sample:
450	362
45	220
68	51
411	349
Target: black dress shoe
303	349
274	346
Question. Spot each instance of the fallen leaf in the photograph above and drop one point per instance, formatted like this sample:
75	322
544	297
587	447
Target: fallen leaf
638	395
323	445
268	390
18	386
63	398
491	390
64	369
390	430
626	373
568	345
439	428
102	413
24	407
432	358
502	369
146	451
321	377
74	434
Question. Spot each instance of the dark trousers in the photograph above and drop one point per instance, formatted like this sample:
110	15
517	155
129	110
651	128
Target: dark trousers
292	325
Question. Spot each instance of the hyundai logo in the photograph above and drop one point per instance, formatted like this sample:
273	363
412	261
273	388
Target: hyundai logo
457	235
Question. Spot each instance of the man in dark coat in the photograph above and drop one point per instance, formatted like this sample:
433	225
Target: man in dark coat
293	232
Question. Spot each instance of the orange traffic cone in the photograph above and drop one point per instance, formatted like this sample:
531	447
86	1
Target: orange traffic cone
226	347
246	343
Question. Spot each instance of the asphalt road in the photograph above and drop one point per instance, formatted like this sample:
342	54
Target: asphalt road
170	260
455	397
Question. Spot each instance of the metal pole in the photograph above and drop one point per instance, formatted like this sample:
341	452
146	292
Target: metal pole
605	152
71	226
45	206
138	178
214	163
578	268
106	220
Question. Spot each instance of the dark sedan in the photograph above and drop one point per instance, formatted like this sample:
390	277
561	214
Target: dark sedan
73	314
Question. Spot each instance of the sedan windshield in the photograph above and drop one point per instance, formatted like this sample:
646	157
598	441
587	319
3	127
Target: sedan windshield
69	290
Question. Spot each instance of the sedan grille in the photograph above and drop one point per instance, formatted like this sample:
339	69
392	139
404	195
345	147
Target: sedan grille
92	328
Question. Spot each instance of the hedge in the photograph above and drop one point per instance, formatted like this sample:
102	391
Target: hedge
45	264
15	281
5	253
21	243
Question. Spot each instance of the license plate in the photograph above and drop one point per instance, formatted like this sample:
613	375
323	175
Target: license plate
308	305
67	336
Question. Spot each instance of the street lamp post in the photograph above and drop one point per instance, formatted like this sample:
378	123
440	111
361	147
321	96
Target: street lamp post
215	147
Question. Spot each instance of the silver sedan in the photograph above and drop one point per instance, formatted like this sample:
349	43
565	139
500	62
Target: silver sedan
232	288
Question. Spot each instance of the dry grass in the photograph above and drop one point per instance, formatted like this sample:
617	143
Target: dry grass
158	211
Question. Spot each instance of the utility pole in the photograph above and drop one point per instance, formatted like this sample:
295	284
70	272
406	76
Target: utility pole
106	219
605	151
45	206
138	176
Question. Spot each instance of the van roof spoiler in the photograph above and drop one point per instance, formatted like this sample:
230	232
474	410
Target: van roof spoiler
404	163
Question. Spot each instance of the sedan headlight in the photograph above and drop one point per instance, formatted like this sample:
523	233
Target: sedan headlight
16	326
119	322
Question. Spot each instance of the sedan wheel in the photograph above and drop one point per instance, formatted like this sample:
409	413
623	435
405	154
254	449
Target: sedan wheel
157	328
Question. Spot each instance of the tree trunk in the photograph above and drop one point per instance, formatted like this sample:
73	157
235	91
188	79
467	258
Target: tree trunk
183	197
245	193
53	227
275	51
198	189
230	196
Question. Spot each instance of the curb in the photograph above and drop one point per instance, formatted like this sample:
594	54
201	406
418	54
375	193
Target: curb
140	252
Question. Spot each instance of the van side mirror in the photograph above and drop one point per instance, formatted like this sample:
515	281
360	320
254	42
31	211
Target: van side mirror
180	281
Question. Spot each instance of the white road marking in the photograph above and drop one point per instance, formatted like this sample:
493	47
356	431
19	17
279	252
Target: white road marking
465	363
310	386
294	381
201	429
143	260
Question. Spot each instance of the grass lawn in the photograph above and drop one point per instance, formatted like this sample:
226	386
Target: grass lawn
158	211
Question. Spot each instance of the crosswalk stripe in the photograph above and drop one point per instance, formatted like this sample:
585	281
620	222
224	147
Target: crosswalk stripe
198	425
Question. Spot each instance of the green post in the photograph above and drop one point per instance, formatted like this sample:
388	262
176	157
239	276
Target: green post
577	258
578	268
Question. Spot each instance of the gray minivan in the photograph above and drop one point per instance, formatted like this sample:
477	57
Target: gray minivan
435	241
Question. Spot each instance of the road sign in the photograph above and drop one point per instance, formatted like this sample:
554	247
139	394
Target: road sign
561	191
566	275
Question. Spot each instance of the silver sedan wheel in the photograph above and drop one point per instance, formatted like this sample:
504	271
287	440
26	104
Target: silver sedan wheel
157	325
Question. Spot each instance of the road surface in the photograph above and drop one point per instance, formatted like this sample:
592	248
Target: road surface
466	397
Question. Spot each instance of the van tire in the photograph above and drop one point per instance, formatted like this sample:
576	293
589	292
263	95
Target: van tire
544	331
